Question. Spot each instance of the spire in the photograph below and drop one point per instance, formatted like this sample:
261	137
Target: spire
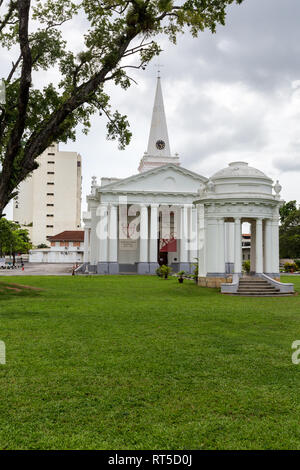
158	144
158	152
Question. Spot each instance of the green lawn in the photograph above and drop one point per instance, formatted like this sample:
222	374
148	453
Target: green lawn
128	362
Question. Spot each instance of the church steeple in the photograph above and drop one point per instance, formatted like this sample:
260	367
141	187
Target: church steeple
158	143
158	151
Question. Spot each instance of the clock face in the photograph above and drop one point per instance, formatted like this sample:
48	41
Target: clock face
160	145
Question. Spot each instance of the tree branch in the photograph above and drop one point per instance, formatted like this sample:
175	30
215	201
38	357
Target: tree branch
39	140
12	6
14	142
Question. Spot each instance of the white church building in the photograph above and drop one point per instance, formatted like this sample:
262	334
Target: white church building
167	214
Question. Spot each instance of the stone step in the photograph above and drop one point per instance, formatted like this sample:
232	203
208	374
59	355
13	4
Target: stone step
275	294
259	294
262	291
266	289
257	286
254	282
257	290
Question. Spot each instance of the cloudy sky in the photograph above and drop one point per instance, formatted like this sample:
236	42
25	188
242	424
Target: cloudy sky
234	95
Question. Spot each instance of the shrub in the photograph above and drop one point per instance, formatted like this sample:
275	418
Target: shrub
196	270
164	271
158	272
290	267
246	266
181	274
297	263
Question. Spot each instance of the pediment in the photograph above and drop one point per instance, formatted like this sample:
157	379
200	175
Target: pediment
167	178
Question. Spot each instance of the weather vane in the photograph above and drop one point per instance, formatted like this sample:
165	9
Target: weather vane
158	65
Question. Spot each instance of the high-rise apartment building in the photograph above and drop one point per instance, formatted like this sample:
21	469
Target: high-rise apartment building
49	200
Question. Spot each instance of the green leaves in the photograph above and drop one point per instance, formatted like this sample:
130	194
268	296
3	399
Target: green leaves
118	128
290	230
115	36
12	238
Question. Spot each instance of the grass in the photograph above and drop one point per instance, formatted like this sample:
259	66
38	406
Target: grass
144	363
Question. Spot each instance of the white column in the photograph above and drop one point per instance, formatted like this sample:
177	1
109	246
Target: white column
229	250
259	246
253	248
94	258
202	245
153	233
103	233
193	235
221	246
275	245
237	245
144	234
113	234
268	246
86	245
183	235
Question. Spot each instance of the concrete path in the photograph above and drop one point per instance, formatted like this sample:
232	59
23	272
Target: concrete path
40	269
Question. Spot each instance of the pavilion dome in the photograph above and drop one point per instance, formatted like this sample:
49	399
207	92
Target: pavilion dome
239	170
238	178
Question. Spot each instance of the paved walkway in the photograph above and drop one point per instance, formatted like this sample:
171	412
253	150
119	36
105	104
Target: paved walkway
40	269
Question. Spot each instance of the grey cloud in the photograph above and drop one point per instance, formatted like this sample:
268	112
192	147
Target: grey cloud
290	161
263	40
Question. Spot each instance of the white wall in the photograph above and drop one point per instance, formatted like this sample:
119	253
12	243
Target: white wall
57	254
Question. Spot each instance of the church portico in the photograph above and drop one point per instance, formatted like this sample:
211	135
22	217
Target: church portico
133	237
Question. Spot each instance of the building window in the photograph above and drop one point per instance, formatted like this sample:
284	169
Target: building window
51	153
64	243
50	184
50	215
52	243
76	243
50	172
50	194
50	205
51	162
79	164
49	226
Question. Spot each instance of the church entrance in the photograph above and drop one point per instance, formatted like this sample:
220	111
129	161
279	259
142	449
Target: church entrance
167	242
163	258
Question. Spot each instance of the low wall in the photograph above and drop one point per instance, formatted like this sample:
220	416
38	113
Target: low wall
284	288
214	281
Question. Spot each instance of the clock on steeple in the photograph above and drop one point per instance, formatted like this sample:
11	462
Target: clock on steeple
160	144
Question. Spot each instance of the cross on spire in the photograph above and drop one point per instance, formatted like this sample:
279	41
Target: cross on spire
158	65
